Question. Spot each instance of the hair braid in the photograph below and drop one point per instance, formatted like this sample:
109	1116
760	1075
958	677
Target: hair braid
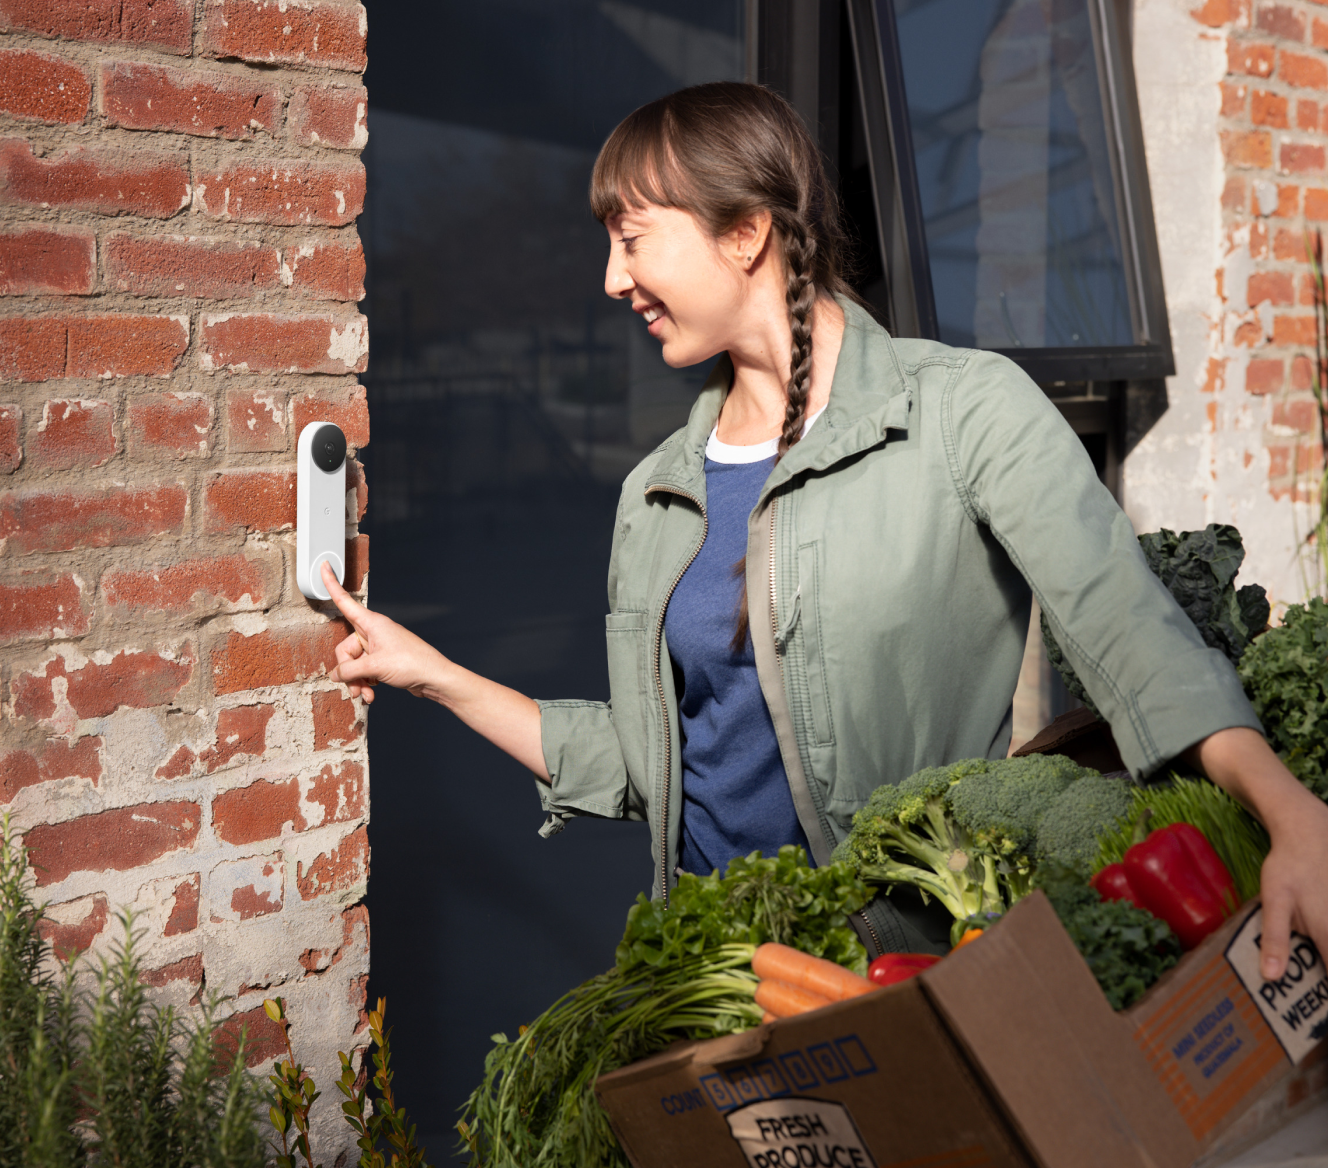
800	259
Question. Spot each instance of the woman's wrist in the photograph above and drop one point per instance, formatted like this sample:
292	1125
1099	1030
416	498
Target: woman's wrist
1240	761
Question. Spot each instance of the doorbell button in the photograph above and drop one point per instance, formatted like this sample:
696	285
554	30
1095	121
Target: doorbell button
316	574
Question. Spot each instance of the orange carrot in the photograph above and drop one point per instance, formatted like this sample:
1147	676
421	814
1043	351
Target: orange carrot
768	1017
969	935
782	963
784	1000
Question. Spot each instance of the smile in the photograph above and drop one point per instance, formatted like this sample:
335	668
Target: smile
652	314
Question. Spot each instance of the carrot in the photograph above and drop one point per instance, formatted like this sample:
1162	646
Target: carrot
783	963
969	935
768	1017
784	1000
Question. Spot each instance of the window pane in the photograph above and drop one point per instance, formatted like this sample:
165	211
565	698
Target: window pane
1015	172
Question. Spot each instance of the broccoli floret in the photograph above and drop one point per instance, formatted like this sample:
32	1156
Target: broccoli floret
1068	834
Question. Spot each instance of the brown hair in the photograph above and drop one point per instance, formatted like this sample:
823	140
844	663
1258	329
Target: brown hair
724	151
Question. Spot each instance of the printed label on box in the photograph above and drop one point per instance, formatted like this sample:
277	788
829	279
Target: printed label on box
1295	1005
792	1132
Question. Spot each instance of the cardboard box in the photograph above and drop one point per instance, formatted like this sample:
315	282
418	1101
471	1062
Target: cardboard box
1005	1054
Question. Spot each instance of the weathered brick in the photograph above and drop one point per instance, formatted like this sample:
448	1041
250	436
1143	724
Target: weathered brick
340	792
110	182
255	420
329	115
126	346
1299	413
1319	34
211	583
327	271
357	562
275	656
255	500
262	342
72	926
263	1039
187	969
1302	373
1279	461
1254	60
1258	240
56	758
38	606
1293	330
287	32
1276	287
1233	99
1248	334
184	908
354	937
1289	245
174	424
59	520
1216	13
32	348
1316	203
131	678
1288	201
1302	70
1300	158
73	433
355	482
285	192
241	733
1268	109
241	890
118	840
338	870
141	96
1233	193
1307	115
186	265
260	811
11	438
43	87
1248	147
1281	21
337	720
166	24
37	260
179	765
347	408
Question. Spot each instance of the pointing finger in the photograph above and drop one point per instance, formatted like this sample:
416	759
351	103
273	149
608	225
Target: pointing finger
350	608
1276	941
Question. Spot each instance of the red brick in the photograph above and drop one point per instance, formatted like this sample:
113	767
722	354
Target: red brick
177	265
355	482
263	1039
1233	99
342	868
36	260
184	909
1300	158
1251	59
166	24
1277	287
1289	244
1268	109
11	438
59	521
118	840
256	885
1264	376
260	811
1216	13
1281	21
287	32
286	344
1302	372
32	348
1316	203
348	408
70	939
353	920
1248	334
256	500
140	96
286	192
110	182
131	678
327	271
56	758
1307	115
1258	240
43	87
1279	461
187	969
229	583
1302	70
1288	201
180	764
1319	34
125	345
73	433
255	420
241	732
1248	147
1233	193
1293	330
337	720
1300	414
175	424
329	115
39	606
275	656
357	562
340	792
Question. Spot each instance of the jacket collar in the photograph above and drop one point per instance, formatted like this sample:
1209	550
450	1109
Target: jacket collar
869	396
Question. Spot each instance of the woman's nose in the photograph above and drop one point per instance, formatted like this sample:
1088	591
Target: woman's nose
618	281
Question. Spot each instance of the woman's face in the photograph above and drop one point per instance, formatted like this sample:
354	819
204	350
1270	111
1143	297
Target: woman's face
679	279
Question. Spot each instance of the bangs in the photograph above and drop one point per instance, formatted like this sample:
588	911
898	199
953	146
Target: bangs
638	166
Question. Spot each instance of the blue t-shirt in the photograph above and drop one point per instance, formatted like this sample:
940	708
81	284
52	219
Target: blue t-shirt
735	794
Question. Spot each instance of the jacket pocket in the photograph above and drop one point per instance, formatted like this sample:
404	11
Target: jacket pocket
627	635
814	643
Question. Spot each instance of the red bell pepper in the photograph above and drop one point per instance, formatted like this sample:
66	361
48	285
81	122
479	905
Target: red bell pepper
1174	874
892	968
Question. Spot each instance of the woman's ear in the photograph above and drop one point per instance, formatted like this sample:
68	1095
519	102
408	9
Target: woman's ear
745	242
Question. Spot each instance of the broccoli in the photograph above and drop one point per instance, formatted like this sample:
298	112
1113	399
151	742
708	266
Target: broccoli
1069	831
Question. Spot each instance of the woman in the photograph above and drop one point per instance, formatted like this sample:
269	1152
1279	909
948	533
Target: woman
822	582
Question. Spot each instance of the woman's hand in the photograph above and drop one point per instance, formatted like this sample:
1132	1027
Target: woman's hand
380	650
1295	874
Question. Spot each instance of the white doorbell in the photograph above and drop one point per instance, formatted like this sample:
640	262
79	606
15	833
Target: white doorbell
320	507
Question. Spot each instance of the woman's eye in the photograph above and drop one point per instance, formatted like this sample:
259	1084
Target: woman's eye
627	242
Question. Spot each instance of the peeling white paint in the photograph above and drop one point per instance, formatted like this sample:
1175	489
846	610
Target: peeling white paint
350	344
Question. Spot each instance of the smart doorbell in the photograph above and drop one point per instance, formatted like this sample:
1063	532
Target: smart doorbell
320	507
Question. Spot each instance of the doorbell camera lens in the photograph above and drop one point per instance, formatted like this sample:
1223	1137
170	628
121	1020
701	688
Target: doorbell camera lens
329	448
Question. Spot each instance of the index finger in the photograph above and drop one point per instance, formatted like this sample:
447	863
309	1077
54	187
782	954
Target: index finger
350	608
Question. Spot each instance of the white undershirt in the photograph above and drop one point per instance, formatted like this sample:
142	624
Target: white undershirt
718	451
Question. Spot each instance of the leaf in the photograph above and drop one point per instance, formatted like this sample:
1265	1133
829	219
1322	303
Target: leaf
273	1009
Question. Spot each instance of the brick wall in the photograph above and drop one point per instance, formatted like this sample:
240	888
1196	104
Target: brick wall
179	270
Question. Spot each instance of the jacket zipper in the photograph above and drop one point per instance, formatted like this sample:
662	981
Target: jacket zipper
663	700
779	656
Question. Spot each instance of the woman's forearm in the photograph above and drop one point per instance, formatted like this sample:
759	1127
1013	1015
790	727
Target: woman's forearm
508	719
1241	762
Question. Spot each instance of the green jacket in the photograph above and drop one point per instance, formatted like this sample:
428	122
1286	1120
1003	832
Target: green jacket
889	561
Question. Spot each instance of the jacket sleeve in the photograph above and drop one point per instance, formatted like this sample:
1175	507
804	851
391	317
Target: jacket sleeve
587	772
1020	469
